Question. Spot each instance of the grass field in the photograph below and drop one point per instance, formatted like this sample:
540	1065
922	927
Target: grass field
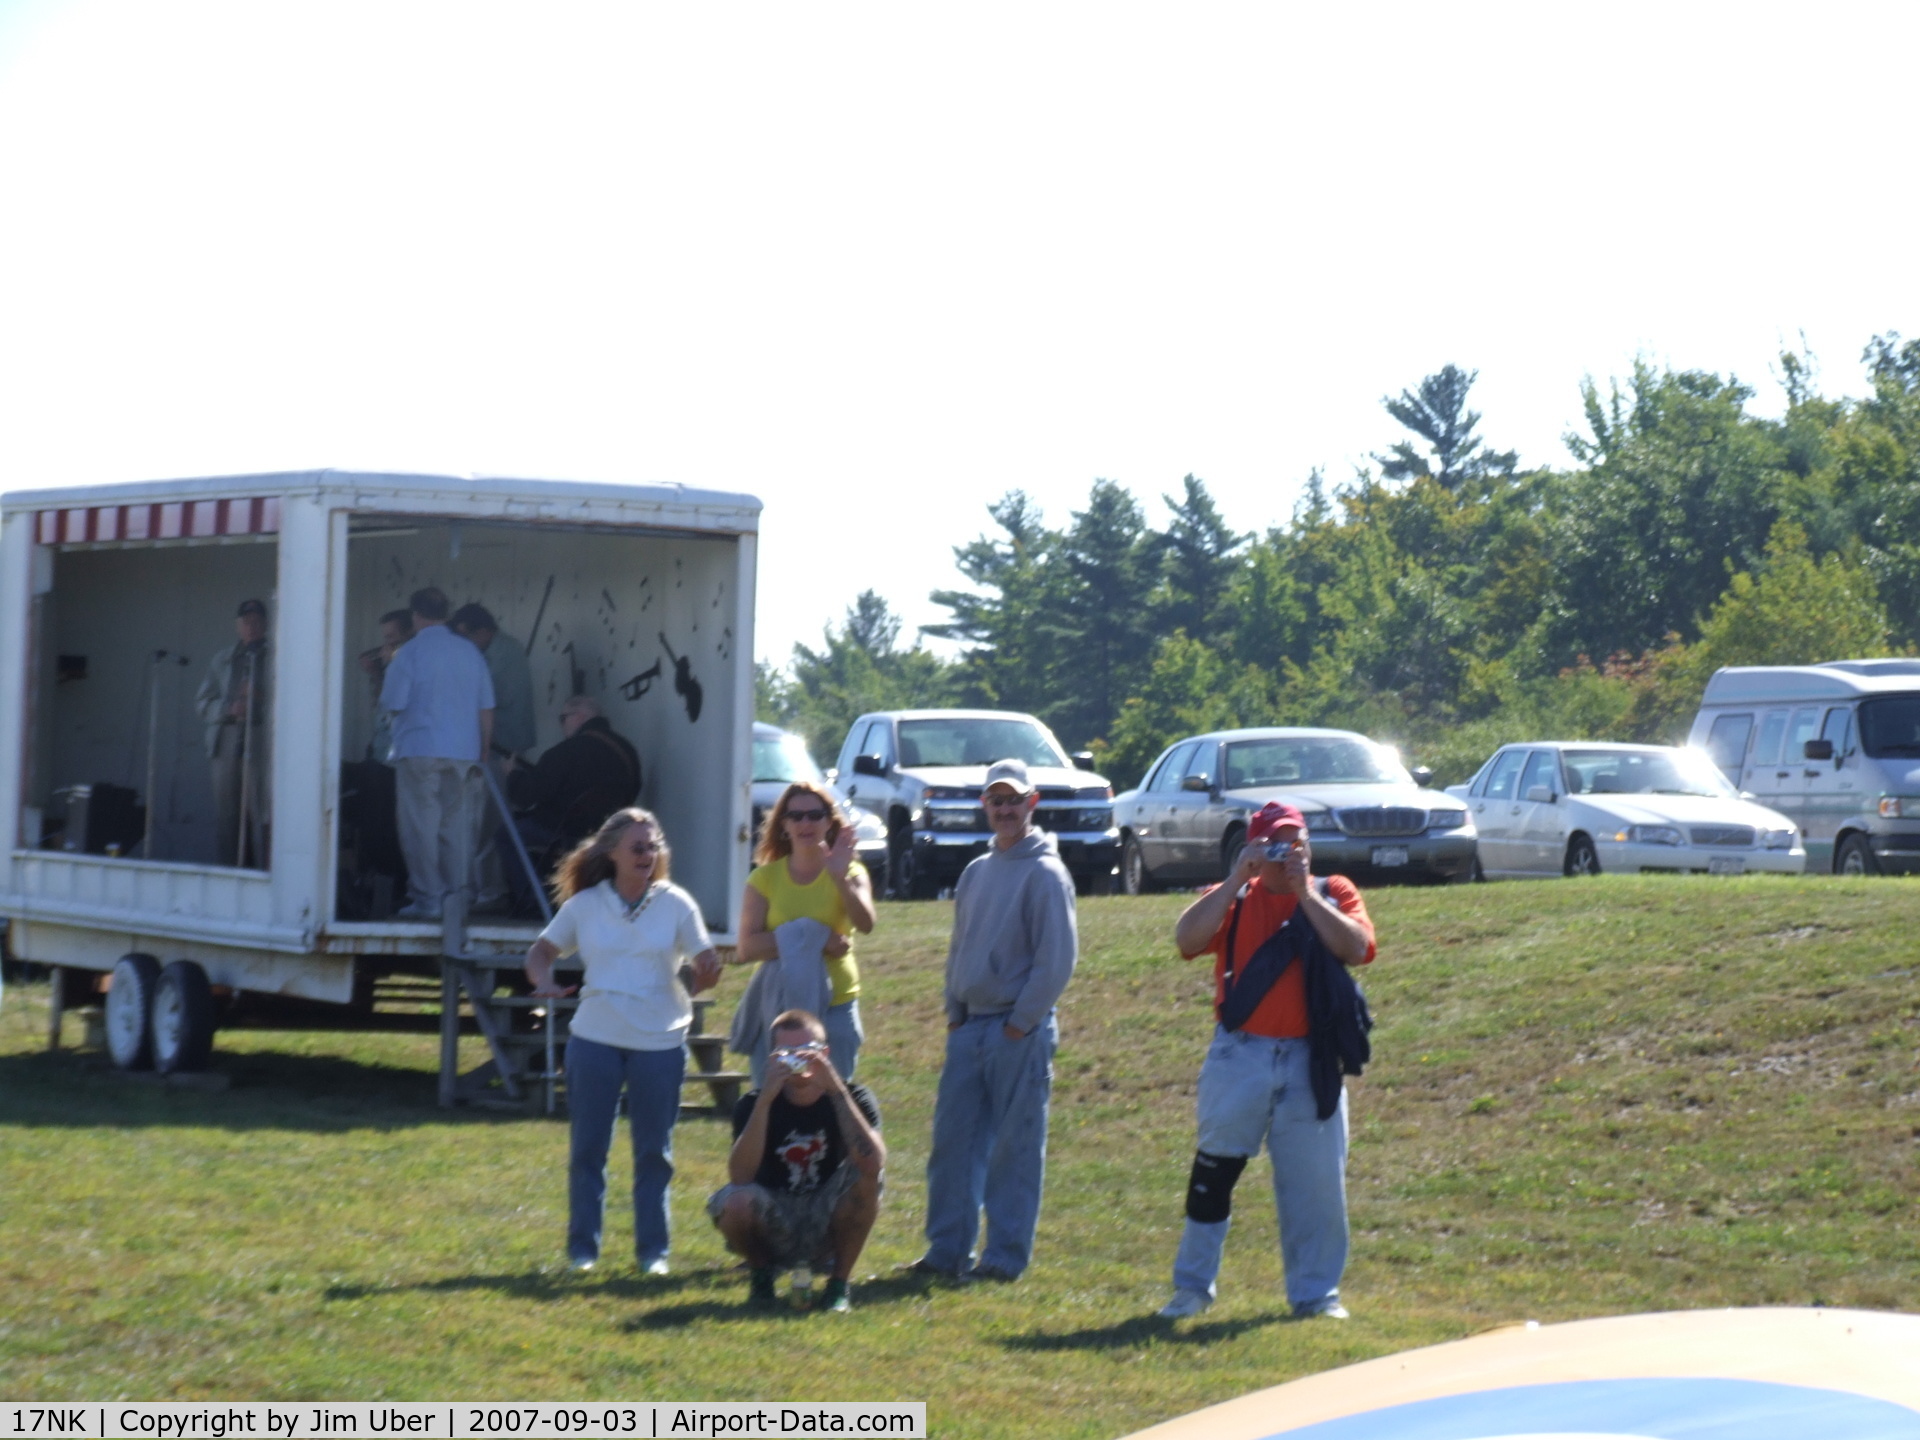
1588	1098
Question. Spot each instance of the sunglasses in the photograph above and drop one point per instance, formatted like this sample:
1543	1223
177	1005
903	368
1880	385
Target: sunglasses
807	817
1005	802
639	850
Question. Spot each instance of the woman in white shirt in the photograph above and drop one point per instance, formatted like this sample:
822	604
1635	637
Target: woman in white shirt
633	930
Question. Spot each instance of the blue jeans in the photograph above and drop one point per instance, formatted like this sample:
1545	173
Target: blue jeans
989	1144
596	1074
1254	1089
845	1034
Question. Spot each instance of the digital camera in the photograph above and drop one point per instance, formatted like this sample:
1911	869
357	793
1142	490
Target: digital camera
796	1057
1280	849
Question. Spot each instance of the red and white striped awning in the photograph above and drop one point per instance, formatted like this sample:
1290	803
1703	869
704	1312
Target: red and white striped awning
177	520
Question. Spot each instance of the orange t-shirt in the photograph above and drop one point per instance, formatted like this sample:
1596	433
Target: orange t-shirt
1282	1014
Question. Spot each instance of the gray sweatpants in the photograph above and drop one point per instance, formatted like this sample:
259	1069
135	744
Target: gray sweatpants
435	802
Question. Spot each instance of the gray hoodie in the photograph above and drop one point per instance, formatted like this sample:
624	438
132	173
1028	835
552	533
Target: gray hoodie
1014	936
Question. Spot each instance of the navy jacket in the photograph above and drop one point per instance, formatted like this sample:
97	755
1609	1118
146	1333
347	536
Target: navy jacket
1337	1015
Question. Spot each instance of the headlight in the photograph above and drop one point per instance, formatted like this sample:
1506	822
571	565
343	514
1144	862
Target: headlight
1095	819
946	792
1321	820
1893	807
1650	835
1094	792
1446	819
1777	839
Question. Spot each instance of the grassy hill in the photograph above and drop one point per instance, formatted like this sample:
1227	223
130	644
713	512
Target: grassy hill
1588	1098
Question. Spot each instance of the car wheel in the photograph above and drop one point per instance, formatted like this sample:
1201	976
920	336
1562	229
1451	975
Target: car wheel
1134	876
1856	857
1582	858
900	862
1093	882
130	1011
1230	846
182	1019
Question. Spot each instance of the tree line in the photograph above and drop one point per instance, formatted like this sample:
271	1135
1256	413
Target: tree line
1444	598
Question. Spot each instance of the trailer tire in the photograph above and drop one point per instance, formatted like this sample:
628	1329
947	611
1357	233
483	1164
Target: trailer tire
182	1019
130	1011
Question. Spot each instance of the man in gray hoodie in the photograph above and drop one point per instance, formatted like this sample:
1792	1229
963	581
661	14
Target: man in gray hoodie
1013	950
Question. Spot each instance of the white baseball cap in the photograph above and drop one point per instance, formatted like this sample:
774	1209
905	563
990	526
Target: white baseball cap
1012	774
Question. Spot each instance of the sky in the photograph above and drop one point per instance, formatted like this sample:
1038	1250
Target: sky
879	264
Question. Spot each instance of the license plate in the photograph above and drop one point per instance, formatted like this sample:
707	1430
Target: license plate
1386	856
1726	865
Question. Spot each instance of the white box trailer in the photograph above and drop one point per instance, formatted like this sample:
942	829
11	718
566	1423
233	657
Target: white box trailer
113	600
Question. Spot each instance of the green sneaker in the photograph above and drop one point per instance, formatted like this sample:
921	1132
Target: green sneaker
760	1291
836	1299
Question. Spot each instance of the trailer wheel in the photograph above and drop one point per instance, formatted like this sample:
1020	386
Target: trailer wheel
182	1019
130	1011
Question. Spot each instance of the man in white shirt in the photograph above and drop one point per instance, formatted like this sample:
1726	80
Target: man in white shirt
441	698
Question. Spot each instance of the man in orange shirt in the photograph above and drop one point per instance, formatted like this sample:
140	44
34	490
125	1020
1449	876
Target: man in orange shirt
1256	1084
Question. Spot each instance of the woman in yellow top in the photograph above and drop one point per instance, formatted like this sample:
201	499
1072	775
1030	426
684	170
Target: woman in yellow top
807	870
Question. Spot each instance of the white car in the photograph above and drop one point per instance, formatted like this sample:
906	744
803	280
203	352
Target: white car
1581	808
779	758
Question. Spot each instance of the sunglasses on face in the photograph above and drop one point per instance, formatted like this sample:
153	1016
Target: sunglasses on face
1005	802
807	817
641	851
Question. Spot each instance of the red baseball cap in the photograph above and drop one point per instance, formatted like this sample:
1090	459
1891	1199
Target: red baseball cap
1270	817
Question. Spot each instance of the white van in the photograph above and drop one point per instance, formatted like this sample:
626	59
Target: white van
1834	747
116	604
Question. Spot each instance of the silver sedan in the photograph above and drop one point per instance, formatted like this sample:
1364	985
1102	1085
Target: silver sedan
1367	817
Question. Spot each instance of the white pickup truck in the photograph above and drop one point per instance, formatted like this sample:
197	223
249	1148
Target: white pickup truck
922	772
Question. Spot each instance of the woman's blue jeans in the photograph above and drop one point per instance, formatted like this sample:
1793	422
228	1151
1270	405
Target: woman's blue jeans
596	1074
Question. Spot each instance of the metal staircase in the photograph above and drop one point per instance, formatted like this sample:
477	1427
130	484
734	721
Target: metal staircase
526	1040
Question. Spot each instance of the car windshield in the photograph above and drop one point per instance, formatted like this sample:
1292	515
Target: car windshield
1311	760
1644	772
976	741
1890	726
783	758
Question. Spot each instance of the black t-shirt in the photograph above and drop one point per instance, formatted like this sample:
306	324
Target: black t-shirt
804	1145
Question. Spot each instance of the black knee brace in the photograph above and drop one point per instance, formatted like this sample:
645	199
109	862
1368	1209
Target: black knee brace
1210	1187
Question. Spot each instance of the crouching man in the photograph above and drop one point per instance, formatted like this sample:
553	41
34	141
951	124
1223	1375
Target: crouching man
805	1170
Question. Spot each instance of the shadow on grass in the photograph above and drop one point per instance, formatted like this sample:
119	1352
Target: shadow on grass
539	1285
883	1291
268	1091
1143	1330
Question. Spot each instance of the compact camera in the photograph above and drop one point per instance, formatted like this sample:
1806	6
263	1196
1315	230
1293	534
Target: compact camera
1280	849
796	1057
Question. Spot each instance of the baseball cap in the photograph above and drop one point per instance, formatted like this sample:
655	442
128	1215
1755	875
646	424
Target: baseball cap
1270	817
250	607
1011	773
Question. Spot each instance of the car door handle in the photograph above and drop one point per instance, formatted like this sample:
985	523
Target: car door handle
1781	774
1811	774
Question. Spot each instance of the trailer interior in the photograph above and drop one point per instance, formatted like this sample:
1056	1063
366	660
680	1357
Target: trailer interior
124	632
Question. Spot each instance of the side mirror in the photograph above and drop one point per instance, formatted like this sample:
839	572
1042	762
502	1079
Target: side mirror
1541	795
1422	775
868	765
1082	759
1196	782
1818	749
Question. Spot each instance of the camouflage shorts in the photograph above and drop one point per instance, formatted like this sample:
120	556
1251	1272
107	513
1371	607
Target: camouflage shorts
795	1228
